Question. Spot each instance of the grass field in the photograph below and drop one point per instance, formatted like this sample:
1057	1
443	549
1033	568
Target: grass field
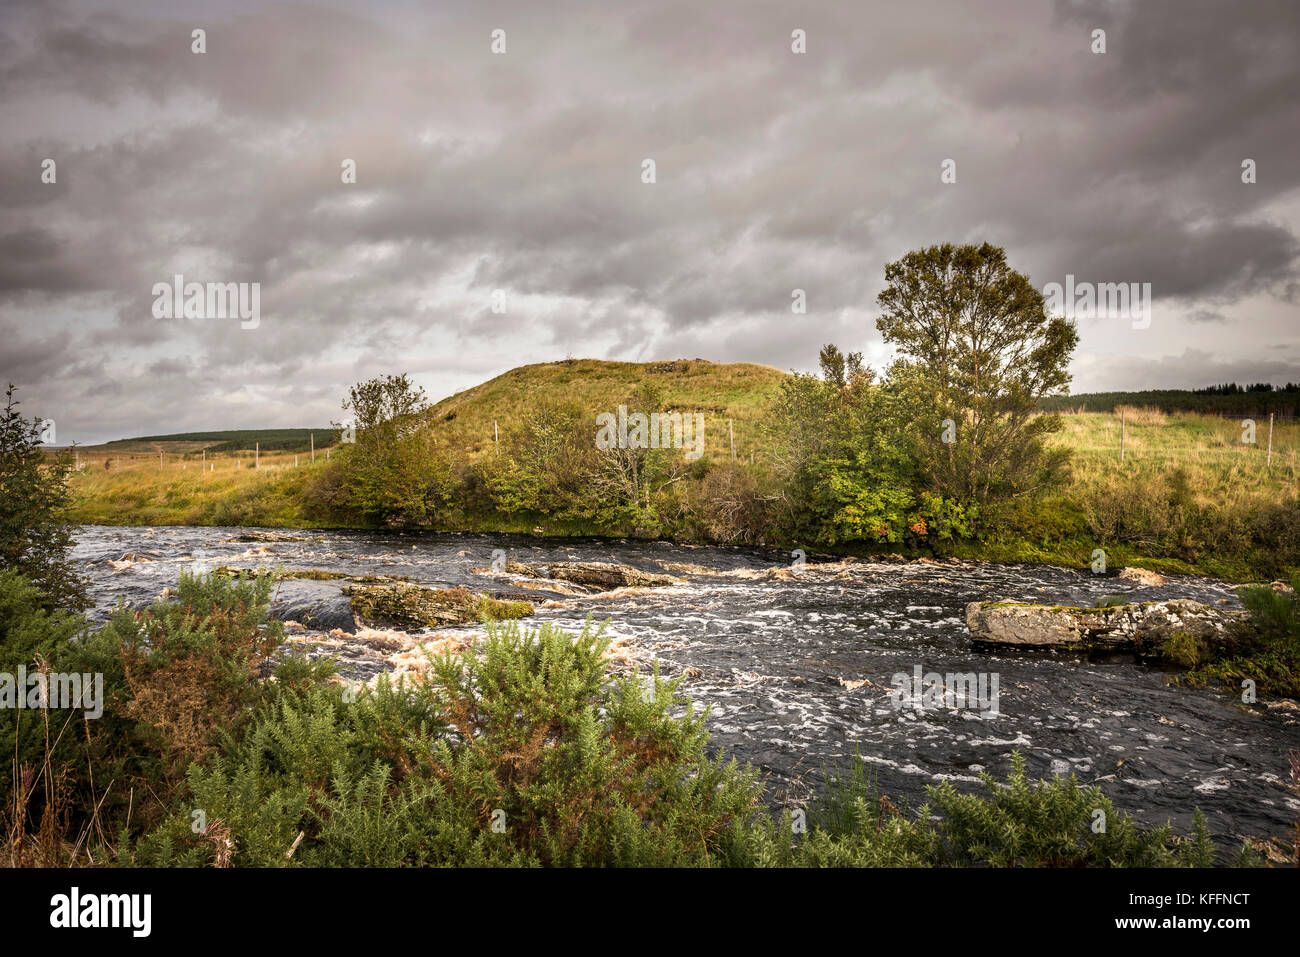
1199	458
1196	459
187	489
1221	468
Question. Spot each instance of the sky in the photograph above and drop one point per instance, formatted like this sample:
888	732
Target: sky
516	180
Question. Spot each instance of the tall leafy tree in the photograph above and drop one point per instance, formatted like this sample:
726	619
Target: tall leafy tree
977	350
35	535
393	472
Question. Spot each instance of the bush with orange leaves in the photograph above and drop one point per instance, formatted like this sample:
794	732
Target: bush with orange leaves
191	663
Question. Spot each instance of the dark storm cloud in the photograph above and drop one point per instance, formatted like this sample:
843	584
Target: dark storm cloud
522	173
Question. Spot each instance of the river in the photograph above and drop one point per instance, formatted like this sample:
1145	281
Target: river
796	667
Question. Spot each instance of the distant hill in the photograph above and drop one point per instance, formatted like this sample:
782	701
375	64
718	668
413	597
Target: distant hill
234	440
739	391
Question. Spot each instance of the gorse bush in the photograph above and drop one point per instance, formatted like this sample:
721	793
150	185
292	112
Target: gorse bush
1016	823
1265	650
174	676
526	752
1055	823
37	793
577	767
190	663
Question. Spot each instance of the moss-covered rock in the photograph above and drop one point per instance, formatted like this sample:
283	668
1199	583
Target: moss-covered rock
1143	627
607	575
590	576
409	605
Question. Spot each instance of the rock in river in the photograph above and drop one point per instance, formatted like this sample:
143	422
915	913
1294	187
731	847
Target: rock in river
1139	627
1142	576
607	575
409	605
313	605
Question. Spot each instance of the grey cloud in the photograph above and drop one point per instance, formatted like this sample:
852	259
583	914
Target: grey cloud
521	172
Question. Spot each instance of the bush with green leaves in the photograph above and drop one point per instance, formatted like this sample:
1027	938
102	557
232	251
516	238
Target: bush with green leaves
35	537
525	750
1016	823
1266	649
31	636
393	472
1055	823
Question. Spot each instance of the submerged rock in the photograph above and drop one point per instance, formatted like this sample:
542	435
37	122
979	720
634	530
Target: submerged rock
601	576
1142	576
320	611
272	537
316	605
407	604
1141	627
607	575
131	558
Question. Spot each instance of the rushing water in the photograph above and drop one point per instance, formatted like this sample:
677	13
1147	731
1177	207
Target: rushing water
797	667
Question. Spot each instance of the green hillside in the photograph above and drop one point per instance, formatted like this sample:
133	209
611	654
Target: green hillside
737	391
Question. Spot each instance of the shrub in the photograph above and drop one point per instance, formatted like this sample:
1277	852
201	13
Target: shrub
730	505
37	792
1266	650
577	767
1018	823
1056	823
526	753
190	663
34	533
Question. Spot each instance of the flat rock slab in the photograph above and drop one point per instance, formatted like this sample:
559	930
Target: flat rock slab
602	576
1138	627
409	605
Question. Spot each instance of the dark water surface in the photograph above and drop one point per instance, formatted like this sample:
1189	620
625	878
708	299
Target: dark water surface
780	659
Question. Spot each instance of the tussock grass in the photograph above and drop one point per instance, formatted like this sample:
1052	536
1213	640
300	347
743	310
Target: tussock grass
1145	415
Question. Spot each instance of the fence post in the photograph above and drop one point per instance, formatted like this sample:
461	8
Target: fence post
731	431
257	455
1269	463
313	445
1122	413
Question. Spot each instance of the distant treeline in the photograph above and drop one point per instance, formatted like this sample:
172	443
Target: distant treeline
239	440
1227	399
